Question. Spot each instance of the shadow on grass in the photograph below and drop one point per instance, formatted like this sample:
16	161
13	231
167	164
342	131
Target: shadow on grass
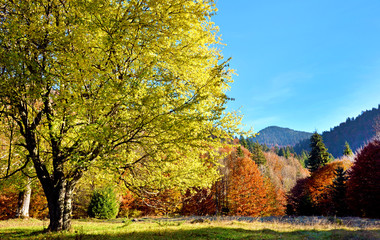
201	233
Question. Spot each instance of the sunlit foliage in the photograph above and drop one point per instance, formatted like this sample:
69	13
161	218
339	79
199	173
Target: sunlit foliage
137	87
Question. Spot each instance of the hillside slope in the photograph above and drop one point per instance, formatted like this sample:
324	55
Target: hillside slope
356	131
281	137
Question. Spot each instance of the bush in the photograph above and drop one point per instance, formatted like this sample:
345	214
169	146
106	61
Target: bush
104	204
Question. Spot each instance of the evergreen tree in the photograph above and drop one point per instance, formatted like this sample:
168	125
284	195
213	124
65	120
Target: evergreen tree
318	155
243	142
250	145
104	204
265	148
240	152
276	150
258	155
282	153
339	189
287	153
291	149
306	206
347	150
304	158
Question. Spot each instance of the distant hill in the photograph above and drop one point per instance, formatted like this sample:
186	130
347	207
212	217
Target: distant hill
356	131
281	137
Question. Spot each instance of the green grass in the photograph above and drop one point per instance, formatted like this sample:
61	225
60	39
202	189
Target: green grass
116	229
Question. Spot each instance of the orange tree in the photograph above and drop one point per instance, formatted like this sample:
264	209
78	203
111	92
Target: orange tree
249	193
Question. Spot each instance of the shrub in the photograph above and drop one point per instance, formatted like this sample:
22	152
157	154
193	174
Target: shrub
104	204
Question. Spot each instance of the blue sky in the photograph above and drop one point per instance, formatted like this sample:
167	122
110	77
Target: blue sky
302	64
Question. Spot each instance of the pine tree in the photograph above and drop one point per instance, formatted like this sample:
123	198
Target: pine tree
318	155
250	144
304	158
265	148
282	153
276	150
287	153
104	204
339	189
347	150
239	152
243	142
258	155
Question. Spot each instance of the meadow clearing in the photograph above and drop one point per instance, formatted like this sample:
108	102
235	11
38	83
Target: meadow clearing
198	228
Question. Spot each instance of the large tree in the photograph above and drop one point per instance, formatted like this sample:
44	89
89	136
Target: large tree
134	86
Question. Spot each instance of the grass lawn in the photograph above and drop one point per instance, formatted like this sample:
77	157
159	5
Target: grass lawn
116	229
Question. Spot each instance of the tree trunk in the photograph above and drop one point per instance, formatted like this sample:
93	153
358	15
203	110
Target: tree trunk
24	201
60	208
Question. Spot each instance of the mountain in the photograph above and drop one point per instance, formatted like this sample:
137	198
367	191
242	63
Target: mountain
281	137
356	131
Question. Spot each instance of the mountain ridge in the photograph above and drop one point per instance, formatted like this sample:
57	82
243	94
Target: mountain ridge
280	136
357	131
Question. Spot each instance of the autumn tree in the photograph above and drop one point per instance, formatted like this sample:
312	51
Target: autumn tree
249	193
363	186
316	194
200	203
283	172
11	154
318	155
137	87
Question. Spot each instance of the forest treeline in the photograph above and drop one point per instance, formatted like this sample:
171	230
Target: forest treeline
254	181
356	131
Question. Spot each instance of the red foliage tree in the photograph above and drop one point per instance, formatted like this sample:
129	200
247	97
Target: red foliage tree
8	203
313	195
363	188
202	203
